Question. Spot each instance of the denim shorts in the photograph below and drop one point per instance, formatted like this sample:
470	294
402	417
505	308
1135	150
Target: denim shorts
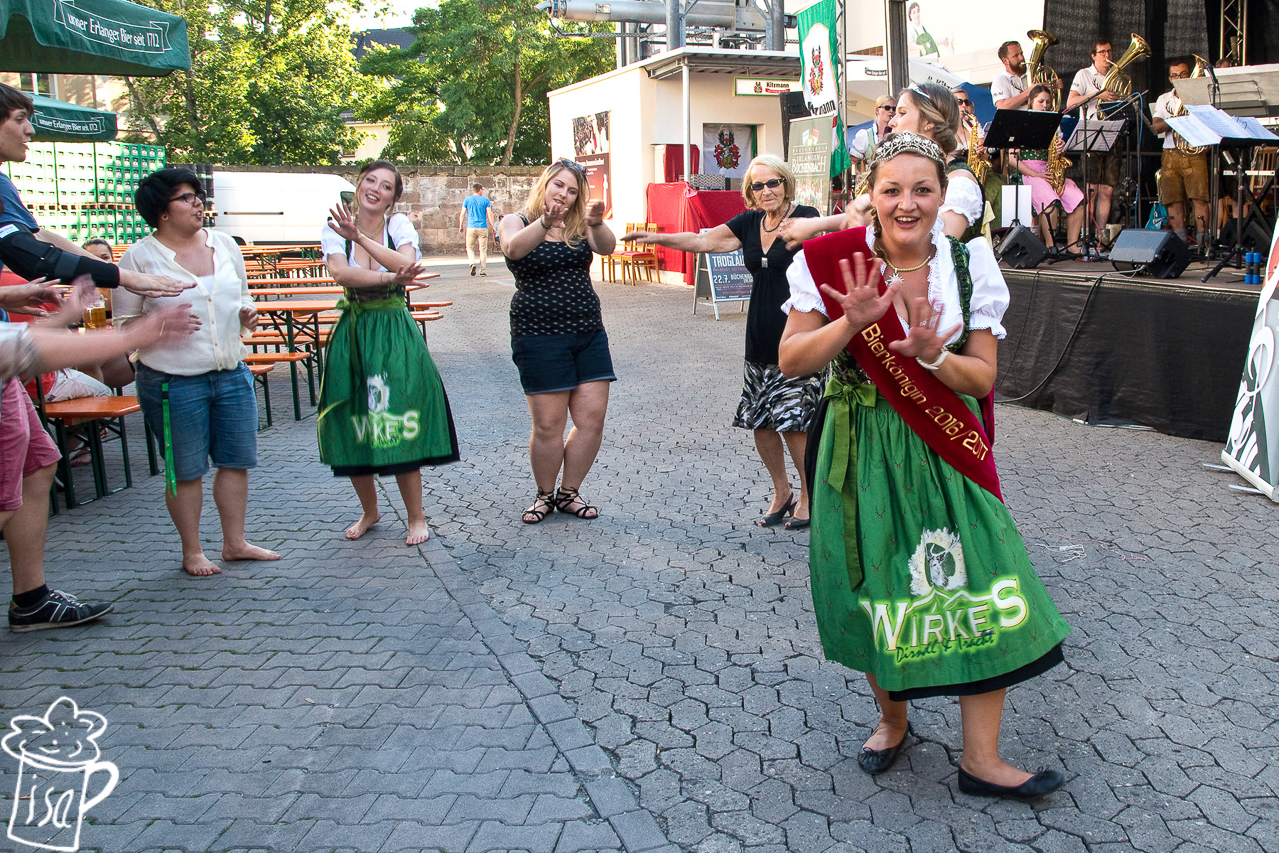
213	416
550	363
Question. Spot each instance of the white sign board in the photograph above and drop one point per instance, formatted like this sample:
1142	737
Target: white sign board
1252	448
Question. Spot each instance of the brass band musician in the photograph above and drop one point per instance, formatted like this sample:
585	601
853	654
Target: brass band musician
1103	167
861	148
1181	173
1044	174
1009	86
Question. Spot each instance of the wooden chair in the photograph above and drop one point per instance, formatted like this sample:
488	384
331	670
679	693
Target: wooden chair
636	256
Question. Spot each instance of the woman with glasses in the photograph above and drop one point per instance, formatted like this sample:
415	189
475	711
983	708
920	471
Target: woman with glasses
558	341
778	410
196	394
383	410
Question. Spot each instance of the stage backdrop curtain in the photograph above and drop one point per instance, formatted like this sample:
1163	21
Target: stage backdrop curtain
1172	28
676	208
1176	372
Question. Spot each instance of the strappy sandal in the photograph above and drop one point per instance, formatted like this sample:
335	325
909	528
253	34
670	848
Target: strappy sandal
564	498
541	508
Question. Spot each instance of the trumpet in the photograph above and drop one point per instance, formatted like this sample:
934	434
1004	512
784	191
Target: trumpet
1200	69
1116	80
1039	74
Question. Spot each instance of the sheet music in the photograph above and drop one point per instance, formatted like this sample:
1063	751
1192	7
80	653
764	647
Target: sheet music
1194	131
1224	125
1256	128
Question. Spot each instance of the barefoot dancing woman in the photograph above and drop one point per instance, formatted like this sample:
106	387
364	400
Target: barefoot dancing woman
557	332
919	576
196	393
383	409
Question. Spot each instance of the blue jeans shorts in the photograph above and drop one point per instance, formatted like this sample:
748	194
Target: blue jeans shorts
550	363
213	416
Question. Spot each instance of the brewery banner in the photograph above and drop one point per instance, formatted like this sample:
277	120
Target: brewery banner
819	65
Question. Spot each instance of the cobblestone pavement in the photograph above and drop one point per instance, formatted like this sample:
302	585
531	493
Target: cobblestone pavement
651	680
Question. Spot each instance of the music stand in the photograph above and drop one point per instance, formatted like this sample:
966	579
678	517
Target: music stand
1020	129
1095	136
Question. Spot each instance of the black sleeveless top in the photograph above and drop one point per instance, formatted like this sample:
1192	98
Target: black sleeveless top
553	292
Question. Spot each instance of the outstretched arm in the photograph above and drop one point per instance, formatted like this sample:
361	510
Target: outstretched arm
719	239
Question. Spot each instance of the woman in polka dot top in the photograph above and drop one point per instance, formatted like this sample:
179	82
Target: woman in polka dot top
557	334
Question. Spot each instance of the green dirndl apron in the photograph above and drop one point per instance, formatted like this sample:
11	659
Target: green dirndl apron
383	409
919	575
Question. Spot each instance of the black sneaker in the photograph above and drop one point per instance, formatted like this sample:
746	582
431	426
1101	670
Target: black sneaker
472	269
58	610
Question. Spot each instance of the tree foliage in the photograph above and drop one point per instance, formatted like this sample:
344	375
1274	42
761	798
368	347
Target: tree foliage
268	82
473	86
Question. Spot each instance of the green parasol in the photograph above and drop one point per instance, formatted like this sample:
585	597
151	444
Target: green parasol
91	37
58	121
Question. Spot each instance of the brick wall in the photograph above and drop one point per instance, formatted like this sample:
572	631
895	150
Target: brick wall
433	195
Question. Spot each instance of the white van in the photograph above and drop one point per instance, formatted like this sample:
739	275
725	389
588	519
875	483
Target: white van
276	207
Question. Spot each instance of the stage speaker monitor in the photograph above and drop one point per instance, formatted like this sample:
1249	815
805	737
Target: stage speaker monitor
1022	249
1160	252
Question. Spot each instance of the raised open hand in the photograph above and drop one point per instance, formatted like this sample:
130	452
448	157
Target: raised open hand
861	300
594	213
342	221
555	211
923	340
30	298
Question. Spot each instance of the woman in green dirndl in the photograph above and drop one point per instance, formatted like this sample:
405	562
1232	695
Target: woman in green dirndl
919	576
383	409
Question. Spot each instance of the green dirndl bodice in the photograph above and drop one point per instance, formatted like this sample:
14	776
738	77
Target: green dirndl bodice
382	406
919	575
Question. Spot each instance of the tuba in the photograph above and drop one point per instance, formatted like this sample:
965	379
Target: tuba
1038	74
1200	69
1116	80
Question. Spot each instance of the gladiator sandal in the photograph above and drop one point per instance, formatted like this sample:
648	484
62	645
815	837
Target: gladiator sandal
542	507
565	498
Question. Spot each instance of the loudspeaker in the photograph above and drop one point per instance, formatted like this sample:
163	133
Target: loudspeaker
1256	237
1160	252
1022	249
793	107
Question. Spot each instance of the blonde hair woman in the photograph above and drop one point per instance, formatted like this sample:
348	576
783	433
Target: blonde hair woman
778	410
558	340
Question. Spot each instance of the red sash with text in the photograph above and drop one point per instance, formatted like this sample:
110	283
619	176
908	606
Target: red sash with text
932	410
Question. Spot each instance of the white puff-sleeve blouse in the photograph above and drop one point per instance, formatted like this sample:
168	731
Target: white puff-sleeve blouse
990	291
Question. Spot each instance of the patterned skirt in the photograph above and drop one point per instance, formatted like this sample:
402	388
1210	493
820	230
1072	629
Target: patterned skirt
771	401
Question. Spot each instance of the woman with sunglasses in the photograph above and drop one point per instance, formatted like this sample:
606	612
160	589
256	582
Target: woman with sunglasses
775	408
196	394
558	340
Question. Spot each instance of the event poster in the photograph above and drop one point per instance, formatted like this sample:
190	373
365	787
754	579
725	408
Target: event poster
810	155
727	149
591	150
1252	448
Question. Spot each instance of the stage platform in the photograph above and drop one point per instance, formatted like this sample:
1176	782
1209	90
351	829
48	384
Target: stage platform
1090	343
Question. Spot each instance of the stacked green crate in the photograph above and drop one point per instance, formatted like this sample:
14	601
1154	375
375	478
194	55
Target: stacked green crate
84	190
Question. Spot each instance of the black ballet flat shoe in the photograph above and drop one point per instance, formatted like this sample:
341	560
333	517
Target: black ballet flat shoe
876	761
772	519
1044	782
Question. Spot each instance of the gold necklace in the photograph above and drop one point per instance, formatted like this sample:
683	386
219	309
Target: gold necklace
371	236
897	271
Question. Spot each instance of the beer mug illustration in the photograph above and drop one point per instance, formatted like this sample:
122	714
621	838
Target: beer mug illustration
57	757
